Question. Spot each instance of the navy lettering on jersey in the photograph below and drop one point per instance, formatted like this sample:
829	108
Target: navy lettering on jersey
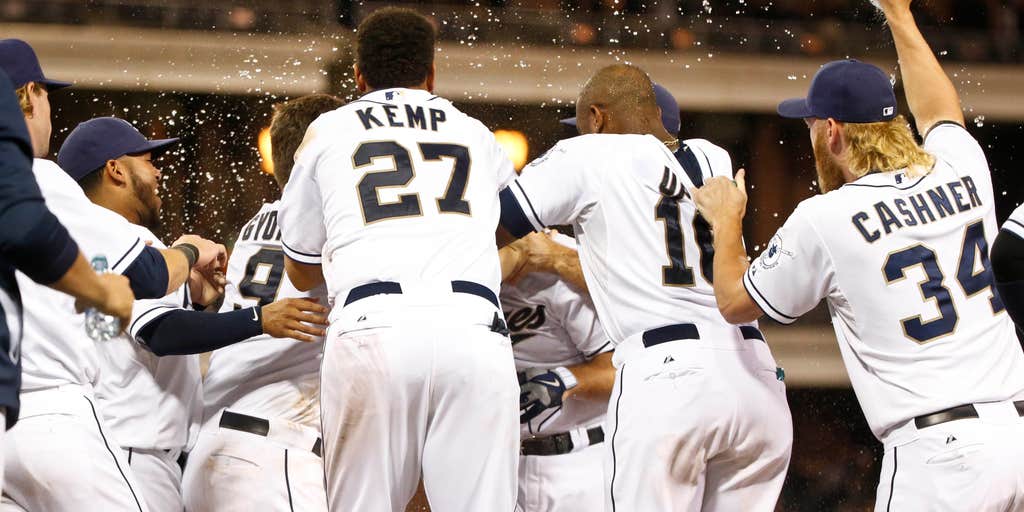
524	319
949	199
366	117
262	227
415	117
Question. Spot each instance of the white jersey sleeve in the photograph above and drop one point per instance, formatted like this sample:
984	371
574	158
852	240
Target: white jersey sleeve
302	212
794	272
554	189
146	311
952	142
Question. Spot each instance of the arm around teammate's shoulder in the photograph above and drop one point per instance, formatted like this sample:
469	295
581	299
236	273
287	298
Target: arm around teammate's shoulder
930	93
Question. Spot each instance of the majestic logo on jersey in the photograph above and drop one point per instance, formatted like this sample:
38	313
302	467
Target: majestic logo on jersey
771	255
525	319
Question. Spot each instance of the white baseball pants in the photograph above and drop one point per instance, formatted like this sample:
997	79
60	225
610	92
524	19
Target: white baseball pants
235	471
60	457
969	464
696	427
571	482
407	384
159	478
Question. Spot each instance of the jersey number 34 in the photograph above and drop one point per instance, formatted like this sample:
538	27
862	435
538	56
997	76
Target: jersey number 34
974	251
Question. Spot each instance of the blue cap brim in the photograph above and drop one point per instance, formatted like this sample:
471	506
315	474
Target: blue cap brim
53	85
156	147
569	121
795	108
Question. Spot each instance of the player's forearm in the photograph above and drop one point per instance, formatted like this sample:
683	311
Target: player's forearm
304	277
80	282
730	265
178	268
930	94
569	269
185	332
594	379
512	261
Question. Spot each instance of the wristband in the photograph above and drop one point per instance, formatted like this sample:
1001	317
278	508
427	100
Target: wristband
568	379
190	251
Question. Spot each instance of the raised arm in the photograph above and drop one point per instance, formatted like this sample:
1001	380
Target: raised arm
930	93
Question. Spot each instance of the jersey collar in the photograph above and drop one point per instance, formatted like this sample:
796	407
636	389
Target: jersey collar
398	94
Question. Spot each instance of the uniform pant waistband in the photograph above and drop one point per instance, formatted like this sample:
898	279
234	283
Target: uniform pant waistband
562	443
279	430
908	430
678	332
390	287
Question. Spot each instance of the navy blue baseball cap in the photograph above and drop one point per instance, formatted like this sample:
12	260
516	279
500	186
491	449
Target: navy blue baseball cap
19	61
92	143
845	90
669	110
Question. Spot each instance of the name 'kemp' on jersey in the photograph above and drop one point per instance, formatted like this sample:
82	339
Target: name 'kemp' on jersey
415	178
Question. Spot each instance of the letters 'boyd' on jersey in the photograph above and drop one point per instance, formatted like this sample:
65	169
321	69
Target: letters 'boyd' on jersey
398	185
903	262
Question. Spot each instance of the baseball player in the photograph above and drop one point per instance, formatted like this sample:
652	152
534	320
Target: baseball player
34	242
677	440
59	455
260	445
564	362
1008	265
898	246
149	391
394	200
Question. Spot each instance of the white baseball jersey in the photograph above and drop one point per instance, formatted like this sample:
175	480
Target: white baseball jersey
263	377
398	185
1015	223
552	325
149	402
903	263
645	258
55	348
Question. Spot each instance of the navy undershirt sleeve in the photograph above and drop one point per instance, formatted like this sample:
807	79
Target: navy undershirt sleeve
148	274
1008	269
183	332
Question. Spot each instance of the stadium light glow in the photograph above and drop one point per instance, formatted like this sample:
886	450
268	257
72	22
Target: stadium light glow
515	145
263	144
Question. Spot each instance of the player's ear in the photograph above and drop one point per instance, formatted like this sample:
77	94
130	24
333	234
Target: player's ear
430	78
360	79
597	119
117	172
834	135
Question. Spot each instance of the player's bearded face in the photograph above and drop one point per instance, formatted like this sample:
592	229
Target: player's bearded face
830	175
144	186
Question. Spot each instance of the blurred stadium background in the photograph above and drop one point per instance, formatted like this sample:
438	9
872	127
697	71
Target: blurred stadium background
208	71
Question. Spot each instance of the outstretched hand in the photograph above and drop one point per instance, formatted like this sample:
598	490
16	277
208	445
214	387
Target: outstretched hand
722	200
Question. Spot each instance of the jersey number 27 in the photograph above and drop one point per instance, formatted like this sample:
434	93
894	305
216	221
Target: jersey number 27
401	173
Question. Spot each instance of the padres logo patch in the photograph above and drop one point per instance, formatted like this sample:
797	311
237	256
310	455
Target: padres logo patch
773	253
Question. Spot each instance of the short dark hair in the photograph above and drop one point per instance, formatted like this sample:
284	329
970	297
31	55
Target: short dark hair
91	182
288	128
395	48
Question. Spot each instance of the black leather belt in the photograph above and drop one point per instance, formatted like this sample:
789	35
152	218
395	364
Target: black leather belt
689	332
390	287
960	412
258	426
557	444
